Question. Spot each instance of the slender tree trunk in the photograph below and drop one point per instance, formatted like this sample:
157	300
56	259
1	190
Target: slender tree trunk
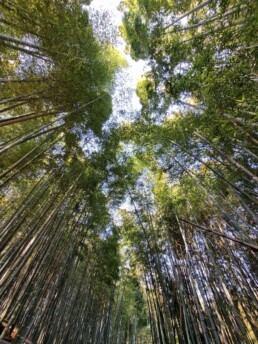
195	9
252	247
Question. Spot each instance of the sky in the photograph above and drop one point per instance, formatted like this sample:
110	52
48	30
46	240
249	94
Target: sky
110	5
125	101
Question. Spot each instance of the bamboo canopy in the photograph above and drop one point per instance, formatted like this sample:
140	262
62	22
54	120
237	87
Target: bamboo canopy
142	231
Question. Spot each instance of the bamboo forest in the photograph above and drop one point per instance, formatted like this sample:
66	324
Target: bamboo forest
123	223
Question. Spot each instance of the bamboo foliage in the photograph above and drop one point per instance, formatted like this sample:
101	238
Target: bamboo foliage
154	244
197	142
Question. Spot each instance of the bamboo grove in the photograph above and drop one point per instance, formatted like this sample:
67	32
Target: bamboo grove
152	236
